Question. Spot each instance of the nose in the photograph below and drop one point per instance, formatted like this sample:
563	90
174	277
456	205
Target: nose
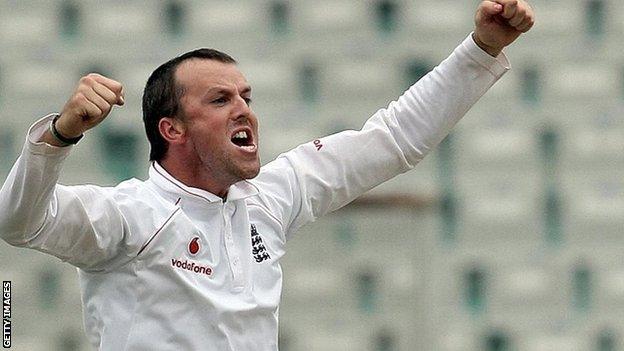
242	109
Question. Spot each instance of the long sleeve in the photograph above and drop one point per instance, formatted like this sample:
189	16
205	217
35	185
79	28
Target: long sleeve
79	224
321	176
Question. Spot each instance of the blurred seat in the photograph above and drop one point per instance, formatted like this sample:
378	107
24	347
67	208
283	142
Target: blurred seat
564	18
595	210
522	289
332	341
555	342
231	18
319	287
385	228
328	68
27	24
330	17
455	335
456	342
593	138
577	80
239	28
611	288
39	80
439	17
616	18
120	21
432	29
491	138
272	82
498	207
360	80
134	77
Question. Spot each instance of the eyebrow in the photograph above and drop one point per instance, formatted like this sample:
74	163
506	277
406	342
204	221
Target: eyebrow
222	90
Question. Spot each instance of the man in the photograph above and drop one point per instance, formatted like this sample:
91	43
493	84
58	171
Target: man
189	259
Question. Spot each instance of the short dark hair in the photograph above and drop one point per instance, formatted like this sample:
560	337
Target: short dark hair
161	96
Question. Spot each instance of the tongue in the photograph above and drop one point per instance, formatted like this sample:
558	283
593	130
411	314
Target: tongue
239	142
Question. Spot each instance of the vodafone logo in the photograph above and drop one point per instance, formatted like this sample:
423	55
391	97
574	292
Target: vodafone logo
184	264
191	266
194	246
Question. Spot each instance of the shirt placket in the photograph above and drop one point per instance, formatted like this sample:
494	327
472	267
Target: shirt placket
231	249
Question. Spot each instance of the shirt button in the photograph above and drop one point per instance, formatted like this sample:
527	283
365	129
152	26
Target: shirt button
229	209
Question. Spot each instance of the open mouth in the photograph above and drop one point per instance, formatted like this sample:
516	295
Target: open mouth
243	139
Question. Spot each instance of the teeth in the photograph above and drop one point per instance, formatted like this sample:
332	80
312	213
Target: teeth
241	134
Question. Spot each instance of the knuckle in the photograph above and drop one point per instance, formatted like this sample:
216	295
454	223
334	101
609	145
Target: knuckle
117	87
83	88
87	80
109	97
80	98
96	111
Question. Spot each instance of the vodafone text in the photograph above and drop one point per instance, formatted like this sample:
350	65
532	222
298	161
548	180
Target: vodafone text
191	266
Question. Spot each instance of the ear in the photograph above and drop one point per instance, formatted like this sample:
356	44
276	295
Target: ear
172	130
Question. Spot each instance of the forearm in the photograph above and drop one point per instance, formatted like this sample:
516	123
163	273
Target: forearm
82	225
428	110
27	192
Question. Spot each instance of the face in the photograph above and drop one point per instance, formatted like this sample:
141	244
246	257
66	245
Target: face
221	129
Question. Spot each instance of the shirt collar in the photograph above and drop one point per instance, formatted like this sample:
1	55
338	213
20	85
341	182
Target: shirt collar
161	178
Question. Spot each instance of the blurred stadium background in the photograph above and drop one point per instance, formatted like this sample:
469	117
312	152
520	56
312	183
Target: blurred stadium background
507	238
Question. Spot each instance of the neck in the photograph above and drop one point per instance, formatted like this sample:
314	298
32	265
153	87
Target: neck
193	175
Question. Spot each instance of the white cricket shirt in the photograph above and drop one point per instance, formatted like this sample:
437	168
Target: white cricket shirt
164	266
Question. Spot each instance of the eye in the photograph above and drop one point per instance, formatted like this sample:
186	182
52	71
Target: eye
221	100
247	100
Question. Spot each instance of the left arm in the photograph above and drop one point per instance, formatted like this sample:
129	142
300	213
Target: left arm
396	138
325	175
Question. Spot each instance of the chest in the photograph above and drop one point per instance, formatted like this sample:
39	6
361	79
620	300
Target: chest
225	249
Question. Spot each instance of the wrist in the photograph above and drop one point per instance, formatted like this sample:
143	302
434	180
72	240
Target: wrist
60	138
64	130
491	50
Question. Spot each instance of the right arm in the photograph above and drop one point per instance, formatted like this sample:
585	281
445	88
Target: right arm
76	224
89	105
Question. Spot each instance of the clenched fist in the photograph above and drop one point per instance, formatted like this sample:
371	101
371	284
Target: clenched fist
499	22
91	102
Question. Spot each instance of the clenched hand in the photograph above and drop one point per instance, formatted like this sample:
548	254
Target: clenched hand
89	105
499	23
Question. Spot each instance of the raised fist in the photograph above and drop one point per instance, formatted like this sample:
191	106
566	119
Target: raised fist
499	22
91	102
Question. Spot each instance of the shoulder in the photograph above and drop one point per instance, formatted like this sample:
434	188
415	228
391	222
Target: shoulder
140	206
136	195
278	190
277	178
